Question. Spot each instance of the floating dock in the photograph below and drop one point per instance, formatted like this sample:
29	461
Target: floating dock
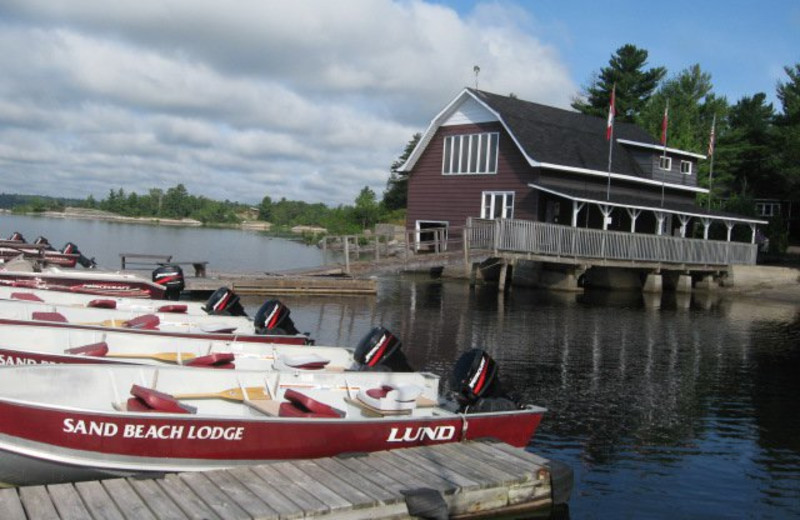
467	480
282	284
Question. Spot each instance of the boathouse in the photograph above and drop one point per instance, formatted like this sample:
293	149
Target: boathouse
487	157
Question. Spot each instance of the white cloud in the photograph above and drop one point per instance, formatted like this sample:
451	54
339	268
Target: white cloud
305	100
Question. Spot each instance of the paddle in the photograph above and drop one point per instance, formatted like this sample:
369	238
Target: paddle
231	394
169	357
145	321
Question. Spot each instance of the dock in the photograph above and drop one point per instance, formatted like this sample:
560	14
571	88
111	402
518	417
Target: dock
467	480
269	284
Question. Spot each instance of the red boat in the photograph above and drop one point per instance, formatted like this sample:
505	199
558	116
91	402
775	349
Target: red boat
43	252
98	283
61	423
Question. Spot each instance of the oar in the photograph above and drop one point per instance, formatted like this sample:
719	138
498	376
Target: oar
169	357
231	394
146	321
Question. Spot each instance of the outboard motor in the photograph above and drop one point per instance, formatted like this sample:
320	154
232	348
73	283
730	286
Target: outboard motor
381	351
224	302
476	384
273	318
42	241
171	277
16	236
72	249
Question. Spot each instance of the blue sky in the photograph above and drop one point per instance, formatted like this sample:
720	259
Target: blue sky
313	99
744	45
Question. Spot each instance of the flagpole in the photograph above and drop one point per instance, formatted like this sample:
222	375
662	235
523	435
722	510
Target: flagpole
711	153
610	151
664	126
612	111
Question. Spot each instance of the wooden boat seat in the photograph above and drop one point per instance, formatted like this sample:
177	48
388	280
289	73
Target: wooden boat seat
29	297
150	400
102	304
49	316
217	360
301	362
95	349
301	405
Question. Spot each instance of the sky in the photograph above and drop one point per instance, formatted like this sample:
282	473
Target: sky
314	100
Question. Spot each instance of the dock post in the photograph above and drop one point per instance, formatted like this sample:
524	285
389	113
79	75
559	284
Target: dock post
465	237
377	247
346	254
501	287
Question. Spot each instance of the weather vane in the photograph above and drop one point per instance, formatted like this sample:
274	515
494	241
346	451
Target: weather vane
477	71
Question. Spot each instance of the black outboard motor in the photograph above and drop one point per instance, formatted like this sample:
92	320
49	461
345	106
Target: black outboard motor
42	241
171	277
381	351
273	318
224	302
476	384
72	249
16	236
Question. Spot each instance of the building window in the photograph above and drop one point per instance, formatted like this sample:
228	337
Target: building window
686	167
497	204
665	163
470	153
768	209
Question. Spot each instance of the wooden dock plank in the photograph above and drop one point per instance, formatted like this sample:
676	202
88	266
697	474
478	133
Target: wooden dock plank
10	505
68	502
214	497
285	508
321	491
490	458
297	493
419	460
373	474
97	500
157	499
37	503
360	481
423	477
337	484
245	498
461	462
192	505
127	499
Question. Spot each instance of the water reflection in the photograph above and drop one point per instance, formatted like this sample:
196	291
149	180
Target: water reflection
681	407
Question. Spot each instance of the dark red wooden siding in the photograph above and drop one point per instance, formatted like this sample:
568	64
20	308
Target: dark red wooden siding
453	198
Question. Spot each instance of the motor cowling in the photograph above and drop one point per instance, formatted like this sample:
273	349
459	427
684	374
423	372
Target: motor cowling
71	249
171	277
42	241
224	302
273	318
380	350
475	381
16	236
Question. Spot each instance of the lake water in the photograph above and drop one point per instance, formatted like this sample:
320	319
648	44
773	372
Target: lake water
681	407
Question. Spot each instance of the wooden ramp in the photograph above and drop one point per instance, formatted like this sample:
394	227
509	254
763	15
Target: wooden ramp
474	479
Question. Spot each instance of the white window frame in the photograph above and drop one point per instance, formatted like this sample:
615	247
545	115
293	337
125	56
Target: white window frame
688	167
768	209
664	163
460	151
489	200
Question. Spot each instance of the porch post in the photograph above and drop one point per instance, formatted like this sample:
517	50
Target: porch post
634	214
660	217
684	220
752	233
706	224
606	211
576	208
729	225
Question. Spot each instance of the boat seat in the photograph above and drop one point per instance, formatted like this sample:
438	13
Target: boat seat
301	362
391	398
95	349
216	360
102	304
144	322
49	316
176	308
29	297
301	405
150	400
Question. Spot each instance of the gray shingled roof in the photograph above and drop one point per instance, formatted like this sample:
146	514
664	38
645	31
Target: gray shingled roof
558	136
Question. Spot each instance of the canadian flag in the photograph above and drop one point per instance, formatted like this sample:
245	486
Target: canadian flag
611	112
664	125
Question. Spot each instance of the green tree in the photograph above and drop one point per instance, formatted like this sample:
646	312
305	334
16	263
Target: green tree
396	194
265	209
366	208
787	130
635	85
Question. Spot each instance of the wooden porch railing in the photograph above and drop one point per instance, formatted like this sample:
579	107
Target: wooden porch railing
525	236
